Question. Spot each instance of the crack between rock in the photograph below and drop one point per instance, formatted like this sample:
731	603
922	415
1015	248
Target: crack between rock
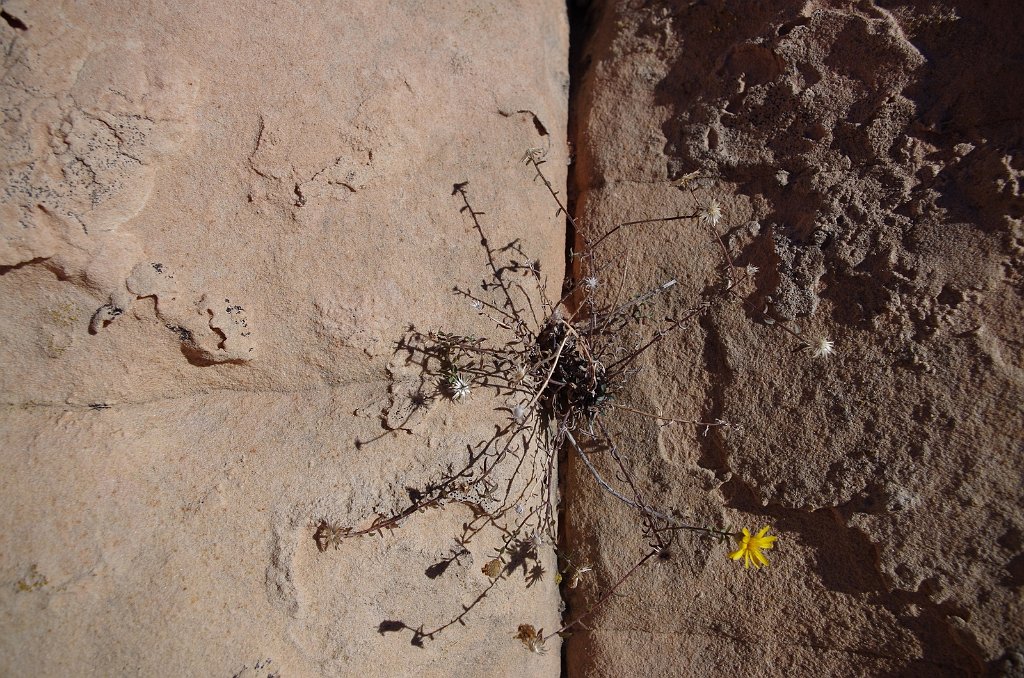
101	404
579	30
612	183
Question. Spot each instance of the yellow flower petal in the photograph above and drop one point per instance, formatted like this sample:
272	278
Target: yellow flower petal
750	547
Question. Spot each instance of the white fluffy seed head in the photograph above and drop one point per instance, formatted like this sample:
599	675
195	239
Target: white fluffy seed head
519	413
519	373
824	348
460	389
711	213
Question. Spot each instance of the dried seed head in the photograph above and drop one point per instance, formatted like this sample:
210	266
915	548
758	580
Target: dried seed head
519	413
534	154
519	373
532	638
711	213
824	348
577	575
492	568
684	180
459	388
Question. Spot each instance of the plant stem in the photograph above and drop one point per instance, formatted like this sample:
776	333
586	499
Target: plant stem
608	594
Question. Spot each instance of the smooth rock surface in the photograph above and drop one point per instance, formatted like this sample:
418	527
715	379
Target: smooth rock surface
219	220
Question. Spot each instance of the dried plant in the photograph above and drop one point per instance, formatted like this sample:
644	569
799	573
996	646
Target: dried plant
561	365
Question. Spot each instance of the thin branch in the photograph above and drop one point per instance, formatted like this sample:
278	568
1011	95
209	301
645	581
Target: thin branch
554	365
532	159
608	594
693	422
678	217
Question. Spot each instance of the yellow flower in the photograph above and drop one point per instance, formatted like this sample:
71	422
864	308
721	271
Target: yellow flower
751	546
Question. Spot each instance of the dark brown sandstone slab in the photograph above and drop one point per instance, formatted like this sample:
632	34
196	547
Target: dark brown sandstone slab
867	157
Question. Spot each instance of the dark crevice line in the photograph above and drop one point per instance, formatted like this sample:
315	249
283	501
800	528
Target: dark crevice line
580	17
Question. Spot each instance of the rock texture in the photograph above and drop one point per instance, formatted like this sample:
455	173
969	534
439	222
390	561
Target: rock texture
218	221
221	222
868	159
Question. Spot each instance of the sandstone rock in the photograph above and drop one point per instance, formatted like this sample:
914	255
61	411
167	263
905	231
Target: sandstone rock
868	160
219	219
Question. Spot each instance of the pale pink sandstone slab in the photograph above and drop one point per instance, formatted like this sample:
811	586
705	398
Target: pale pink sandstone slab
219	218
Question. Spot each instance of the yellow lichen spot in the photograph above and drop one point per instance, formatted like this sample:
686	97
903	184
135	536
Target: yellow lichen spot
33	581
64	315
